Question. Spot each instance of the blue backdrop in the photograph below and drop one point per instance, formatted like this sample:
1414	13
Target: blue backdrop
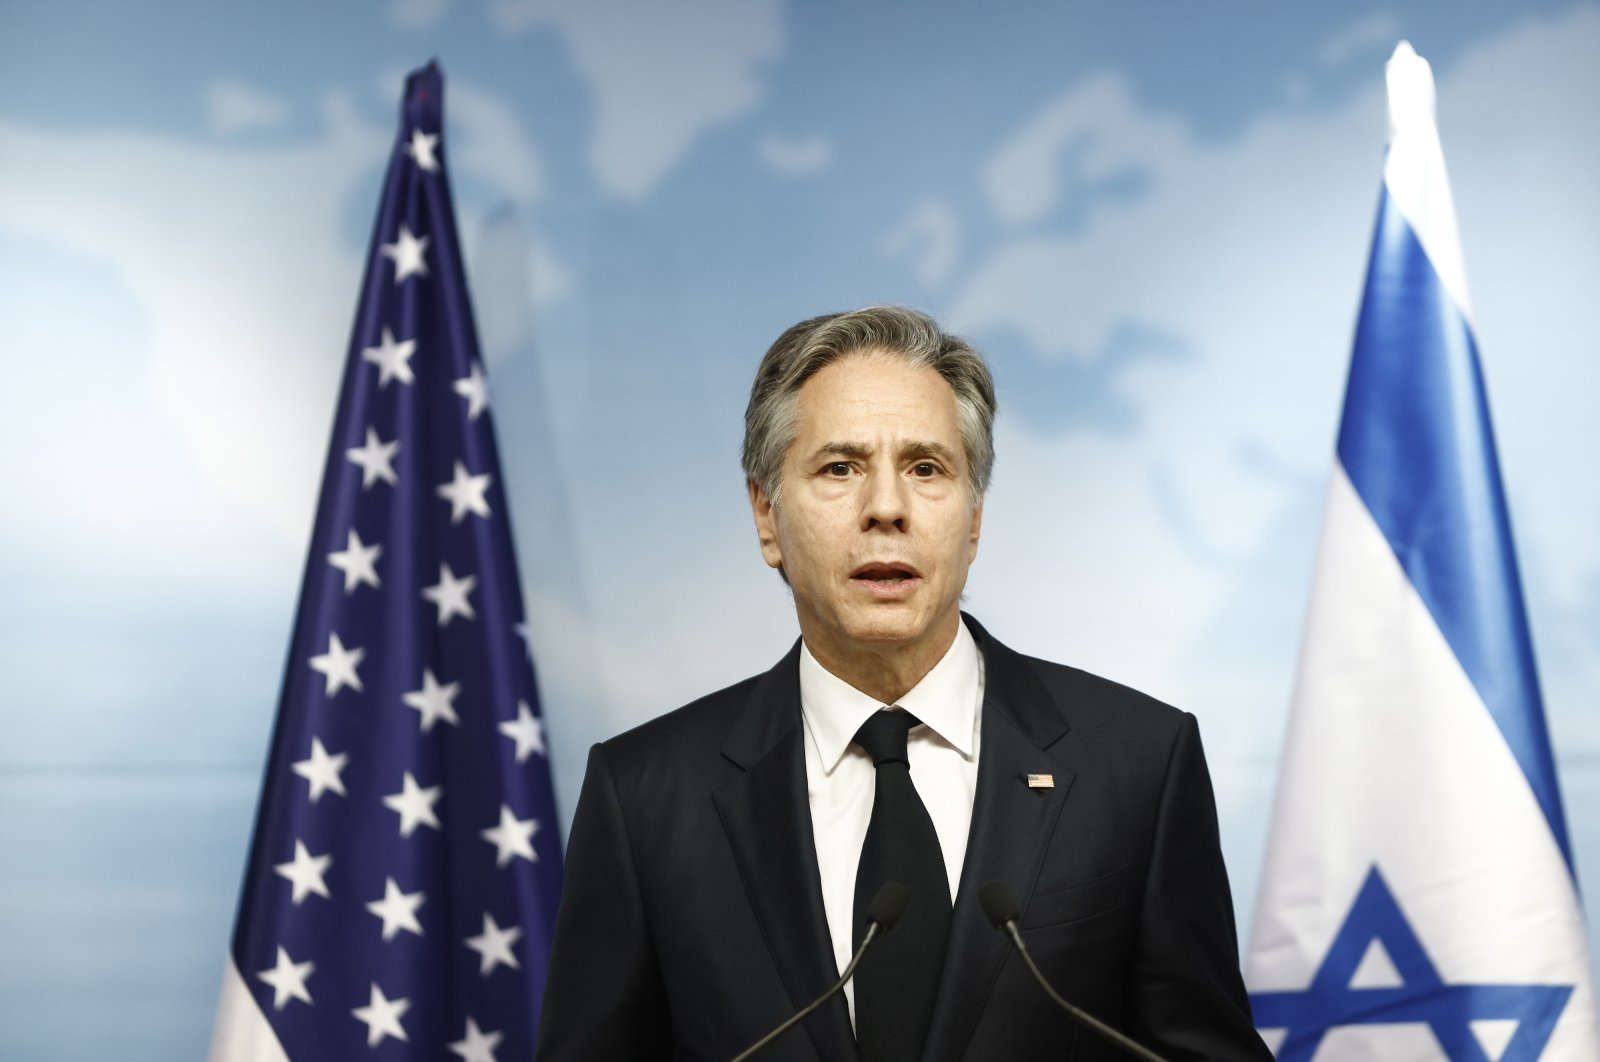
1154	217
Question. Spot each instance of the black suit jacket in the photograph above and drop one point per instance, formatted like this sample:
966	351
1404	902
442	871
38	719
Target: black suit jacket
692	919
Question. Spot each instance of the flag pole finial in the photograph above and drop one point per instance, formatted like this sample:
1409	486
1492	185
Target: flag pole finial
1411	92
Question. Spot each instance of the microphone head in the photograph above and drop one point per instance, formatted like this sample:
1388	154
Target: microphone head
997	904
888	904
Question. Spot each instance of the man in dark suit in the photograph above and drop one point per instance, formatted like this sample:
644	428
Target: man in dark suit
723	856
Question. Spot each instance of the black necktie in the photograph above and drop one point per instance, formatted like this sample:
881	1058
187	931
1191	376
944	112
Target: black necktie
896	984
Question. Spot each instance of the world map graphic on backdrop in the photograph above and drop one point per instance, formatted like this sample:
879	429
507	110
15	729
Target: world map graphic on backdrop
1160	247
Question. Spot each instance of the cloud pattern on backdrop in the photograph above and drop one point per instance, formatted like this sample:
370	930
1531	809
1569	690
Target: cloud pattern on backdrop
1169	308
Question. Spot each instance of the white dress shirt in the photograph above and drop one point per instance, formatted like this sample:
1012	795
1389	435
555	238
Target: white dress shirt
841	780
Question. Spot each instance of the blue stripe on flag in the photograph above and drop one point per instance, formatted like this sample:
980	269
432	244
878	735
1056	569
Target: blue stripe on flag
1417	444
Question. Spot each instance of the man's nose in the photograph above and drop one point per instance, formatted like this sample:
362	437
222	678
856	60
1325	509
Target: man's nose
885	500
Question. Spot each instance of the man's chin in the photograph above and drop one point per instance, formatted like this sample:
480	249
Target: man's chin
887	628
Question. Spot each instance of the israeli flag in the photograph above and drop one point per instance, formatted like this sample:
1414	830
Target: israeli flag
1418	897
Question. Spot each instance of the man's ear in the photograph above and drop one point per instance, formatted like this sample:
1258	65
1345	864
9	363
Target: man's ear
972	537
766	525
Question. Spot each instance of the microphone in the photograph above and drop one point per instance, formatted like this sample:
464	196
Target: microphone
887	905
1002	910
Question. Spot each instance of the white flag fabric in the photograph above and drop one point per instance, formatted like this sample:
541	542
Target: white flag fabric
1418	897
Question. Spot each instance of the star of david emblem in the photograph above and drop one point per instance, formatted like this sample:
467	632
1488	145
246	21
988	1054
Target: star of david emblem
1422	996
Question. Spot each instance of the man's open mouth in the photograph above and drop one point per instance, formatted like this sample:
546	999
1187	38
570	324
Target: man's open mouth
884	574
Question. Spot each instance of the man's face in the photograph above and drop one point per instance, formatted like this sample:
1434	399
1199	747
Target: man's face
876	526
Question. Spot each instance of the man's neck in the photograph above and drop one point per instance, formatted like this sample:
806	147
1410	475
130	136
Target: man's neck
884	673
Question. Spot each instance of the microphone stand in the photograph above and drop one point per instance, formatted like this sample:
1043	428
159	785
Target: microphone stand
872	931
888	903
1002	911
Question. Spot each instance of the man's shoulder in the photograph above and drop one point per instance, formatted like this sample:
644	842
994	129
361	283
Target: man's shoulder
1074	685
1083	697
706	734
702	719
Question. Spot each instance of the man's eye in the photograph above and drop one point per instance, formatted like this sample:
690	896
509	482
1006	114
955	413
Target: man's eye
924	469
838	468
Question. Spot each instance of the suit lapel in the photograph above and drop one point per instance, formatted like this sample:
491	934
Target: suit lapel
1011	825
767	817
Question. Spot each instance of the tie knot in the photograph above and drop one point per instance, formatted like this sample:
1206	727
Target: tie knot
883	736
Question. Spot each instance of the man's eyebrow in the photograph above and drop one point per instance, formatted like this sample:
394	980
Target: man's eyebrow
911	451
928	449
842	449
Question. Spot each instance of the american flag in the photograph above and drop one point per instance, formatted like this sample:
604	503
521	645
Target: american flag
406	868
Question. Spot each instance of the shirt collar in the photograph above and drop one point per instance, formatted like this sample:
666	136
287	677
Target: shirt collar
946	700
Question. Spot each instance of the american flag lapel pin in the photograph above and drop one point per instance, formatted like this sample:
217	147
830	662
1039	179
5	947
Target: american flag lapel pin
1041	781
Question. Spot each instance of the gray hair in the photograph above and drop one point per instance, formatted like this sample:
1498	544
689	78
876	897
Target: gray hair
771	418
